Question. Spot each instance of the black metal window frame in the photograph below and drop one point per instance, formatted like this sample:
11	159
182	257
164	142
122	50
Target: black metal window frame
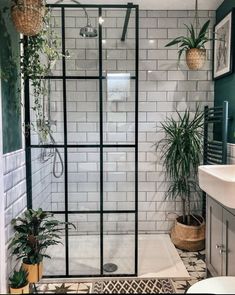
101	146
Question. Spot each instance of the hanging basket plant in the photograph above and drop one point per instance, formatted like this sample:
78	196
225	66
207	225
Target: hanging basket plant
27	16
193	45
195	58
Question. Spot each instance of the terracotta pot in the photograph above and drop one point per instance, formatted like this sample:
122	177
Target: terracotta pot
195	58
23	290
188	237
27	16
34	271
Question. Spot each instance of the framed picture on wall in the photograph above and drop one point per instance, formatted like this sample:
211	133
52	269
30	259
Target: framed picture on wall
224	46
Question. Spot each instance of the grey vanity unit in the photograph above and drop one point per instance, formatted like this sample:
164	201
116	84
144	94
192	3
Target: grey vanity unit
220	239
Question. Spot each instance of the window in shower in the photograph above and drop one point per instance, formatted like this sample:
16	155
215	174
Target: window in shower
87	173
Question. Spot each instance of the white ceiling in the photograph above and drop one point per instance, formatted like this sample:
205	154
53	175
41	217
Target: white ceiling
161	4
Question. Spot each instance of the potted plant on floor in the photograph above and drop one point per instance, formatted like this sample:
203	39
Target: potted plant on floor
19	282
193	45
181	151
34	233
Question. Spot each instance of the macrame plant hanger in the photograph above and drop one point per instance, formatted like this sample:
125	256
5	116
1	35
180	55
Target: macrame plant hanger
196	57
196	23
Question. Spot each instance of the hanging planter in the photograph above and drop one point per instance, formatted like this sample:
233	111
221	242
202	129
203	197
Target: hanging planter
27	16
195	58
193	45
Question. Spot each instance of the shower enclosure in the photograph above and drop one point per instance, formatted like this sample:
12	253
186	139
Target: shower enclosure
92	107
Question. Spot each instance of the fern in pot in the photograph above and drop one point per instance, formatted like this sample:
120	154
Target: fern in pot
193	45
181	152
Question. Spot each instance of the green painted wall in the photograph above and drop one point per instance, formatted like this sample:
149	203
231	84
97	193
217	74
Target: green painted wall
9	69
225	87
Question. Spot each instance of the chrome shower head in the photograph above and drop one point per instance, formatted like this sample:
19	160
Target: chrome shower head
88	31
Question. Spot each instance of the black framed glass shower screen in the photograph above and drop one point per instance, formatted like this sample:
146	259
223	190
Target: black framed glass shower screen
94	113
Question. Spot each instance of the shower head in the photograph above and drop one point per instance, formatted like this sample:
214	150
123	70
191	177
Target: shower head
88	31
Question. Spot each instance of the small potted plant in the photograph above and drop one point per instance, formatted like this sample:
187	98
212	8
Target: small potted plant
34	233
19	282
181	152
193	45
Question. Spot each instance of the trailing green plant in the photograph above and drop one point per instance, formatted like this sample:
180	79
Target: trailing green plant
40	56
41	52
19	279
193	40
181	151
35	231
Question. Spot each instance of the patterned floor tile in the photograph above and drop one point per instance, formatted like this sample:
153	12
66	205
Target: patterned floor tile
196	267
193	261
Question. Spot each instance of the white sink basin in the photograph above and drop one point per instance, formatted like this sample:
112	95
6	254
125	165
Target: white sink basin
218	181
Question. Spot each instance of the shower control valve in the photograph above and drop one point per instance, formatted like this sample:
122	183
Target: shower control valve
222	251
219	246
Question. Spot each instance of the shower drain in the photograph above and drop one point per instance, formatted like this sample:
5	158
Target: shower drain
110	267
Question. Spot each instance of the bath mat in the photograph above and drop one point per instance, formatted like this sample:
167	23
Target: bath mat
134	286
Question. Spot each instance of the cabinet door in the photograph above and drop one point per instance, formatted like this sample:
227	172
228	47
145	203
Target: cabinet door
229	243
214	237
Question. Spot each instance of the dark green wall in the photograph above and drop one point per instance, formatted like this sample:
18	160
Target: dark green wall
9	70
225	87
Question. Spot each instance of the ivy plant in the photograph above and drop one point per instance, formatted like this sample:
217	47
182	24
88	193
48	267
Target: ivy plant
44	46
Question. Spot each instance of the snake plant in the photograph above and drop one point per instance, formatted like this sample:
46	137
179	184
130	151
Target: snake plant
19	279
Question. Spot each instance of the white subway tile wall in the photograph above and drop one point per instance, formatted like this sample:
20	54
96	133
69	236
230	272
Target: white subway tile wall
14	194
165	86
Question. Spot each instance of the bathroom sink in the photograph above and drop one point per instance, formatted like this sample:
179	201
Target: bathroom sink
218	181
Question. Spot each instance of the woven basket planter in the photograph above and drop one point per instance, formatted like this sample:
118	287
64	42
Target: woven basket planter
27	16
195	58
188	237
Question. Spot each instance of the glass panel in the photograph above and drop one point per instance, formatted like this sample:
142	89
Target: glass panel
41	179
83	112
83	51
83	179
118	56
55	29
119	179
84	244
119	242
57	181
56	265
48	190
119	109
50	112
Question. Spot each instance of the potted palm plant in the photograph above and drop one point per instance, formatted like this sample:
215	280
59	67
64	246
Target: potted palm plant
193	45
19	282
35	231
181	151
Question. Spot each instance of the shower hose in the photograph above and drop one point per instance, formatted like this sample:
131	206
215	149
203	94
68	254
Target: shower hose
56	153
